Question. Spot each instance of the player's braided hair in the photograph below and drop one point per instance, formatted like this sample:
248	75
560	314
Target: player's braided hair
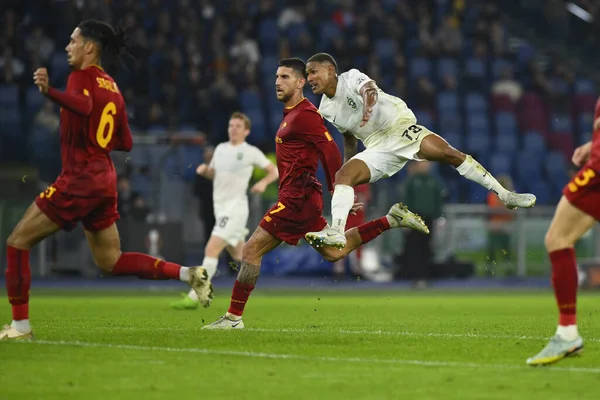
113	43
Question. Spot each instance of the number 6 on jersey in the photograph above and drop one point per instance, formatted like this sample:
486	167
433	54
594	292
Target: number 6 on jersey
104	133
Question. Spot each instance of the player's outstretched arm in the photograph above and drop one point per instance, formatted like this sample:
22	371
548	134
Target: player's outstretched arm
370	95
76	99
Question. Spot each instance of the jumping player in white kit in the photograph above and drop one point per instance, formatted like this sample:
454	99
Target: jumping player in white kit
230	169
360	110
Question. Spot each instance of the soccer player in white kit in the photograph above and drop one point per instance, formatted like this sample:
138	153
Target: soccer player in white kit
230	170
360	110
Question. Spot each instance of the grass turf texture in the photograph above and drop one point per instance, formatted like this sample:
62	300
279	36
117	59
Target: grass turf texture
322	344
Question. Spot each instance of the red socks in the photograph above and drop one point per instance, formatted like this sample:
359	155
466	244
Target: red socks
239	297
145	267
18	282
564	281
372	229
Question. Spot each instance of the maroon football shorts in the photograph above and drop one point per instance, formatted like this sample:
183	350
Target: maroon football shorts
95	213
294	216
583	191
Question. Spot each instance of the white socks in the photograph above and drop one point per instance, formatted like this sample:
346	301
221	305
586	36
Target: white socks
568	332
22	325
210	265
473	171
184	274
341	204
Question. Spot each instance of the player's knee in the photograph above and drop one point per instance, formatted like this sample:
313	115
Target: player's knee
17	241
555	241
107	261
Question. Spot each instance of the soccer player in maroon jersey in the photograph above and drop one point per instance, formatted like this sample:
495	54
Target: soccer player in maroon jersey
301	141
577	211
93	123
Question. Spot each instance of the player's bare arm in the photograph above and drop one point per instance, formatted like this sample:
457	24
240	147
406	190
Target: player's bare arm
272	176
370	96
350	146
205	171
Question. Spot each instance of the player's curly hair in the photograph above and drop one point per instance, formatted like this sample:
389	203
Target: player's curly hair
113	43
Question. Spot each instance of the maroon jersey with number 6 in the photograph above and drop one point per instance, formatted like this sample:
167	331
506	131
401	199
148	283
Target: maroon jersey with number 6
86	139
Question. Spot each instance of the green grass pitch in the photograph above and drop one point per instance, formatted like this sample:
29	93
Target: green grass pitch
317	344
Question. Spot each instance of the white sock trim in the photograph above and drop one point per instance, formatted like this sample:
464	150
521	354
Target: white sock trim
210	265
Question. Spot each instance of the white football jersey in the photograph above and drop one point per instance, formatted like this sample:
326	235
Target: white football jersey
345	110
233	167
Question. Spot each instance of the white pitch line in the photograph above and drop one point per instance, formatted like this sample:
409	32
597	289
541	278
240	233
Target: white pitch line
363	332
252	354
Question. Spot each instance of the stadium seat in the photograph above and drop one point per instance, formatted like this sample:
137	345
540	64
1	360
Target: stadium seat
419	67
500	164
478	143
450	122
529	167
561	123
506	143
250	100
268	33
475	67
191	157
447	67
447	101
506	123
477	193
478	122
386	50
424	118
454	139
534	142
475	102
585	122
542	191
498	66
584	86
328	31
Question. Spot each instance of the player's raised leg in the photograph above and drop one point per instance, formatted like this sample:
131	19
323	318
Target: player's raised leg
567	227
434	148
260	243
399	216
31	229
106	250
212	251
352	173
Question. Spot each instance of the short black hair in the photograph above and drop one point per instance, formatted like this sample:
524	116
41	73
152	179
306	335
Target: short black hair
324	57
295	63
113	43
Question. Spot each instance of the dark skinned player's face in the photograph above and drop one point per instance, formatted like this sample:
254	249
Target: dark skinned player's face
287	83
319	76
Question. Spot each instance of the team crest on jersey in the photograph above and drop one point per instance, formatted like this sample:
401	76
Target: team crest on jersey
240	156
351	102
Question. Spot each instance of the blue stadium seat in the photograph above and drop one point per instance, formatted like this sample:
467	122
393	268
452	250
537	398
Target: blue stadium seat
555	163
534	142
498	66
478	143
259	127
542	192
157	130
9	96
506	143
419	67
475	67
141	184
268	32
450	122
447	101
529	167
454	139
447	66
477	193
475	102
328	31
386	50
500	164
250	100
561	123
412	45
191	157
477	122
584	86
585	122
424	118
506	123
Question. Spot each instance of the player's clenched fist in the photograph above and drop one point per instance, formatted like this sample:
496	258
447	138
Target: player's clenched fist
40	79
202	169
581	154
